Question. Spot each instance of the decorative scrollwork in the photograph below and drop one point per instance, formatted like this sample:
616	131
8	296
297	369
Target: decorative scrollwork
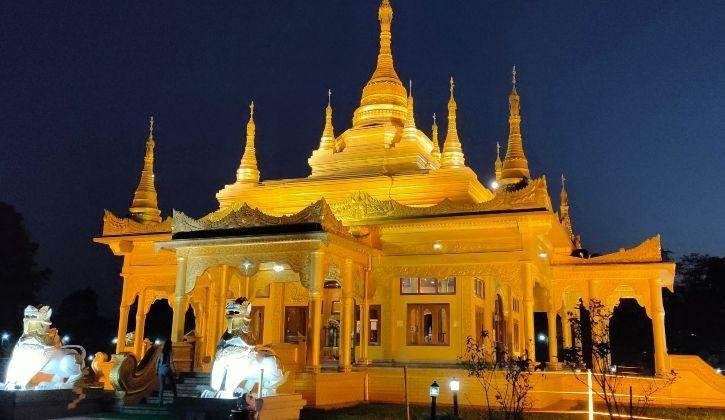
114	225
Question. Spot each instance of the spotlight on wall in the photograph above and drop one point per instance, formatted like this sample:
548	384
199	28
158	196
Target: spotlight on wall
247	265
437	246
543	255
278	268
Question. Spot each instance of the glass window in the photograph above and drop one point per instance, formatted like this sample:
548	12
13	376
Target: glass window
428	324
479	288
409	285
447	286
428	286
374	333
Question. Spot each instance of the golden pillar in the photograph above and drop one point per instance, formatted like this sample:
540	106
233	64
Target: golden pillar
364	322
658	328
347	317
315	311
122	327
220	326
177	323
140	321
566	330
553	351
529	312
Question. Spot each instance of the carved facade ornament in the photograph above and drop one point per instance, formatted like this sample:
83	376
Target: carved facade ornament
246	216
361	206
115	226
509	273
648	251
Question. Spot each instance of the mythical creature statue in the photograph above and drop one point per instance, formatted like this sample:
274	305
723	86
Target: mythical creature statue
239	363
39	360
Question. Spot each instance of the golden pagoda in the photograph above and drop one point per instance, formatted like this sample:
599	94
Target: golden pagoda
390	252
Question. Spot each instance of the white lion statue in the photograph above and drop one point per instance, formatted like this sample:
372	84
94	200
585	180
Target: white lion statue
39	360
239	363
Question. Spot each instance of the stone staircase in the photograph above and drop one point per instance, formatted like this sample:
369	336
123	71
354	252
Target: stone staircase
187	386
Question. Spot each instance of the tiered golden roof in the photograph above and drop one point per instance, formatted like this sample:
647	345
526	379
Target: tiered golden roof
452	151
248	171
144	207
515	165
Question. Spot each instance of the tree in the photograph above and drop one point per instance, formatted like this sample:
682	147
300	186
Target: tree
695	313
512	396
77	316
20	275
607	382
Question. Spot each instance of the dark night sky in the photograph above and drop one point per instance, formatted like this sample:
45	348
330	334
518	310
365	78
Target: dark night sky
624	97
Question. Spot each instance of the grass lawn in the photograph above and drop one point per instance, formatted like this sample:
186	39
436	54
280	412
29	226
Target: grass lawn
395	411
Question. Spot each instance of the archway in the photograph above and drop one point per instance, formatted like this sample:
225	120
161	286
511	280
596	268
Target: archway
630	337
189	320
159	320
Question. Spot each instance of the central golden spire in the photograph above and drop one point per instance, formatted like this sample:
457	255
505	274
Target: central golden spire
515	165
144	207
248	171
384	98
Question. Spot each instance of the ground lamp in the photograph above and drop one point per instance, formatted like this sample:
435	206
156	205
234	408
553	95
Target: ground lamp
455	386
433	391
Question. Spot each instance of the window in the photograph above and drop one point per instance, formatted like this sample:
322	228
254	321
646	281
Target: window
295	323
409	285
427	286
374	320
428	324
479	288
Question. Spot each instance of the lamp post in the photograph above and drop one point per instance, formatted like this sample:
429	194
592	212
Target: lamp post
433	391
455	386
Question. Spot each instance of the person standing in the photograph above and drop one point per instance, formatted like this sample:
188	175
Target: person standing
164	370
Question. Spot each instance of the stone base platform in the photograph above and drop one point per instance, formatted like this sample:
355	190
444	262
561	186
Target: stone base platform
276	407
50	404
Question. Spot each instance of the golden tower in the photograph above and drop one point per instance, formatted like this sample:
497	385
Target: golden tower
248	171
515	165
144	207
452	152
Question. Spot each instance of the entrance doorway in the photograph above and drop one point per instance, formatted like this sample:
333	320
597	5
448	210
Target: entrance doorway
158	321
630	338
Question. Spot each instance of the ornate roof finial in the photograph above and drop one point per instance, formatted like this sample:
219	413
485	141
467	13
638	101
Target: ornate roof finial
564	196
434	138
144	207
565	217
452	156
515	165
248	171
327	140
383	98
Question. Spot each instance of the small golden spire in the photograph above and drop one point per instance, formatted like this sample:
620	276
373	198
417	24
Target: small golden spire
498	165
564	196
515	165
144	207
452	156
565	217
248	171
327	141
434	137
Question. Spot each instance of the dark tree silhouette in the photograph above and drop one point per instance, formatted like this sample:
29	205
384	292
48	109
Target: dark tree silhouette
20	275
695	311
77	316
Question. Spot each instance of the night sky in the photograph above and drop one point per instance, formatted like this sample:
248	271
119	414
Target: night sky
624	97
